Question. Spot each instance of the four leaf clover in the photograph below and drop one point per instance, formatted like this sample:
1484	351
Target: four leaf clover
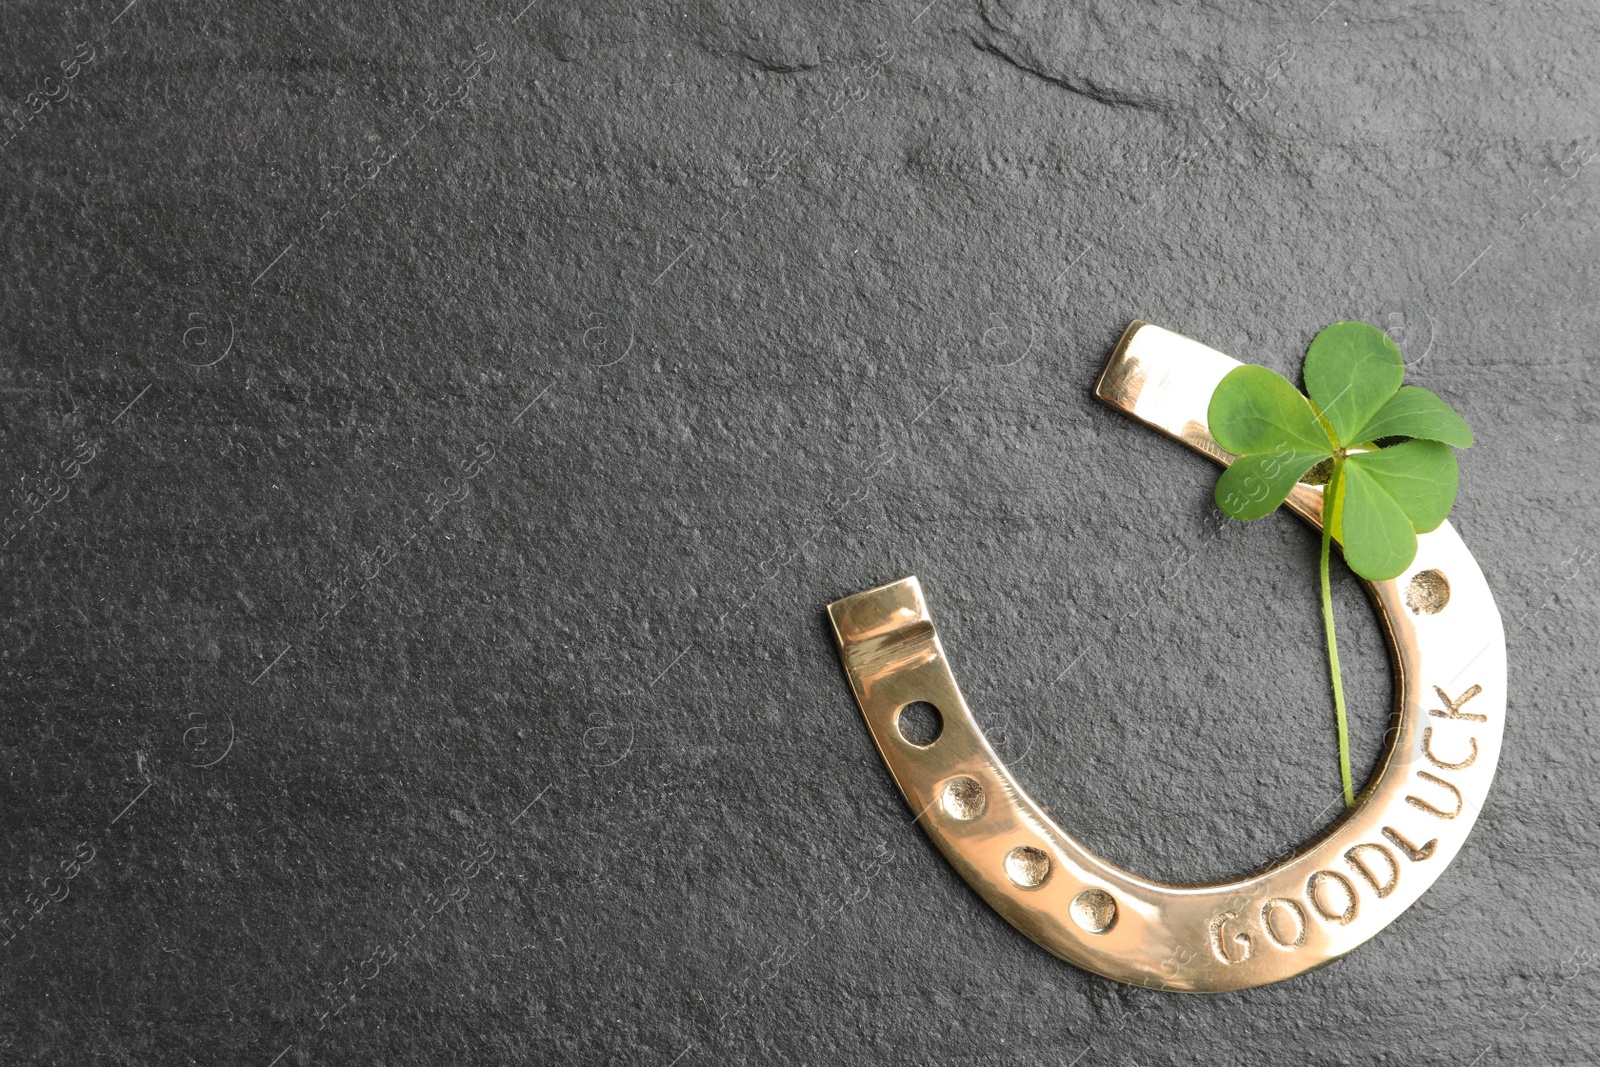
1381	450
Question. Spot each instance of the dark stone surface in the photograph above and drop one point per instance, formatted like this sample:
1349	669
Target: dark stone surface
664	282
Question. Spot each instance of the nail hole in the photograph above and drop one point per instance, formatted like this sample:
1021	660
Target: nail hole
1028	867
1427	593
963	798
1094	910
920	723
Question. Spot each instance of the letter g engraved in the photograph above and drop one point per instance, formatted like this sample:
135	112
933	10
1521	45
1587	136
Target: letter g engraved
1219	948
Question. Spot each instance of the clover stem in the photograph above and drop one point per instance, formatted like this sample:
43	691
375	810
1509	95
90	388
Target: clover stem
1332	499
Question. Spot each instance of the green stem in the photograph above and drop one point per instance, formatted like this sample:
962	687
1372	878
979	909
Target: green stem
1332	498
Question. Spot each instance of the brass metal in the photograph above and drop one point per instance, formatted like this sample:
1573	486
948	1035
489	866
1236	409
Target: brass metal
1338	891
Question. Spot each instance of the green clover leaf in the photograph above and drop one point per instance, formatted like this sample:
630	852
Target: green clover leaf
1391	495
1378	494
1258	415
1384	496
1351	371
1415	412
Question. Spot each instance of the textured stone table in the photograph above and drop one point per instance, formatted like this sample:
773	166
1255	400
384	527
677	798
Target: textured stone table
431	435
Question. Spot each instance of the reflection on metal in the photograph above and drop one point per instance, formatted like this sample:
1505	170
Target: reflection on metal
1337	891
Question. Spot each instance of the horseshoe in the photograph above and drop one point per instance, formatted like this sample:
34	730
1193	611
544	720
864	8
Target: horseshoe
1337	891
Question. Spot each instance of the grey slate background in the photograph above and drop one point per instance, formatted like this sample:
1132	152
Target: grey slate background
379	762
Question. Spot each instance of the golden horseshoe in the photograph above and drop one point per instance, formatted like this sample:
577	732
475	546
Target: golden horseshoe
1340	889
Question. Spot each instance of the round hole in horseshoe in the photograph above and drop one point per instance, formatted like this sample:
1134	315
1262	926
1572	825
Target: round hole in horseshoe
1027	867
963	798
919	723
1095	910
1428	592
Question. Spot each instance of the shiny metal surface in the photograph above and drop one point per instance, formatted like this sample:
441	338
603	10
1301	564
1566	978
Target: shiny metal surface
1338	891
